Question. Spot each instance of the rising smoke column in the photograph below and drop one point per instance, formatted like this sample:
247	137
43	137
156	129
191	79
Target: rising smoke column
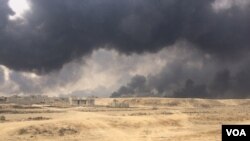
54	33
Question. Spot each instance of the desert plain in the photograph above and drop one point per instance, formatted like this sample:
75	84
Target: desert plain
147	119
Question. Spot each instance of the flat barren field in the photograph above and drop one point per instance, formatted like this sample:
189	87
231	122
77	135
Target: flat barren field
147	119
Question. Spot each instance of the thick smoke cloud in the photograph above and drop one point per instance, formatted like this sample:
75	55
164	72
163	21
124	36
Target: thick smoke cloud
191	90
191	73
137	87
2	79
212	60
55	32
5	12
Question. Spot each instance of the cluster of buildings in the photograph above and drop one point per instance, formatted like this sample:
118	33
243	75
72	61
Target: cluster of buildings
58	101
45	100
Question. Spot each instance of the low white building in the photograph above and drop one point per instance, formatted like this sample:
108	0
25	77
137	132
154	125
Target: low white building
76	101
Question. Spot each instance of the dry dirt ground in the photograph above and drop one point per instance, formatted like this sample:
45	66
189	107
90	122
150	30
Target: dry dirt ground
148	119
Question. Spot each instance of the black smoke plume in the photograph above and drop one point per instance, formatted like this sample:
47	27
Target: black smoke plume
192	75
55	32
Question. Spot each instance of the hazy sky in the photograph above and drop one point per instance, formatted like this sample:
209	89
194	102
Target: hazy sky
173	48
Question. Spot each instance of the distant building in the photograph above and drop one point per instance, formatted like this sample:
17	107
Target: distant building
3	100
116	104
27	100
76	101
53	101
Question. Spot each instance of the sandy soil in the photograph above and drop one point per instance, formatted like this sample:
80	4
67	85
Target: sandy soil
148	119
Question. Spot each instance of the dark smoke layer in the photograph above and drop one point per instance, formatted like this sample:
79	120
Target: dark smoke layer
59	31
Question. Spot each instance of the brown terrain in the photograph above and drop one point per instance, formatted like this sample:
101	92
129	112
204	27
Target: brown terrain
147	119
